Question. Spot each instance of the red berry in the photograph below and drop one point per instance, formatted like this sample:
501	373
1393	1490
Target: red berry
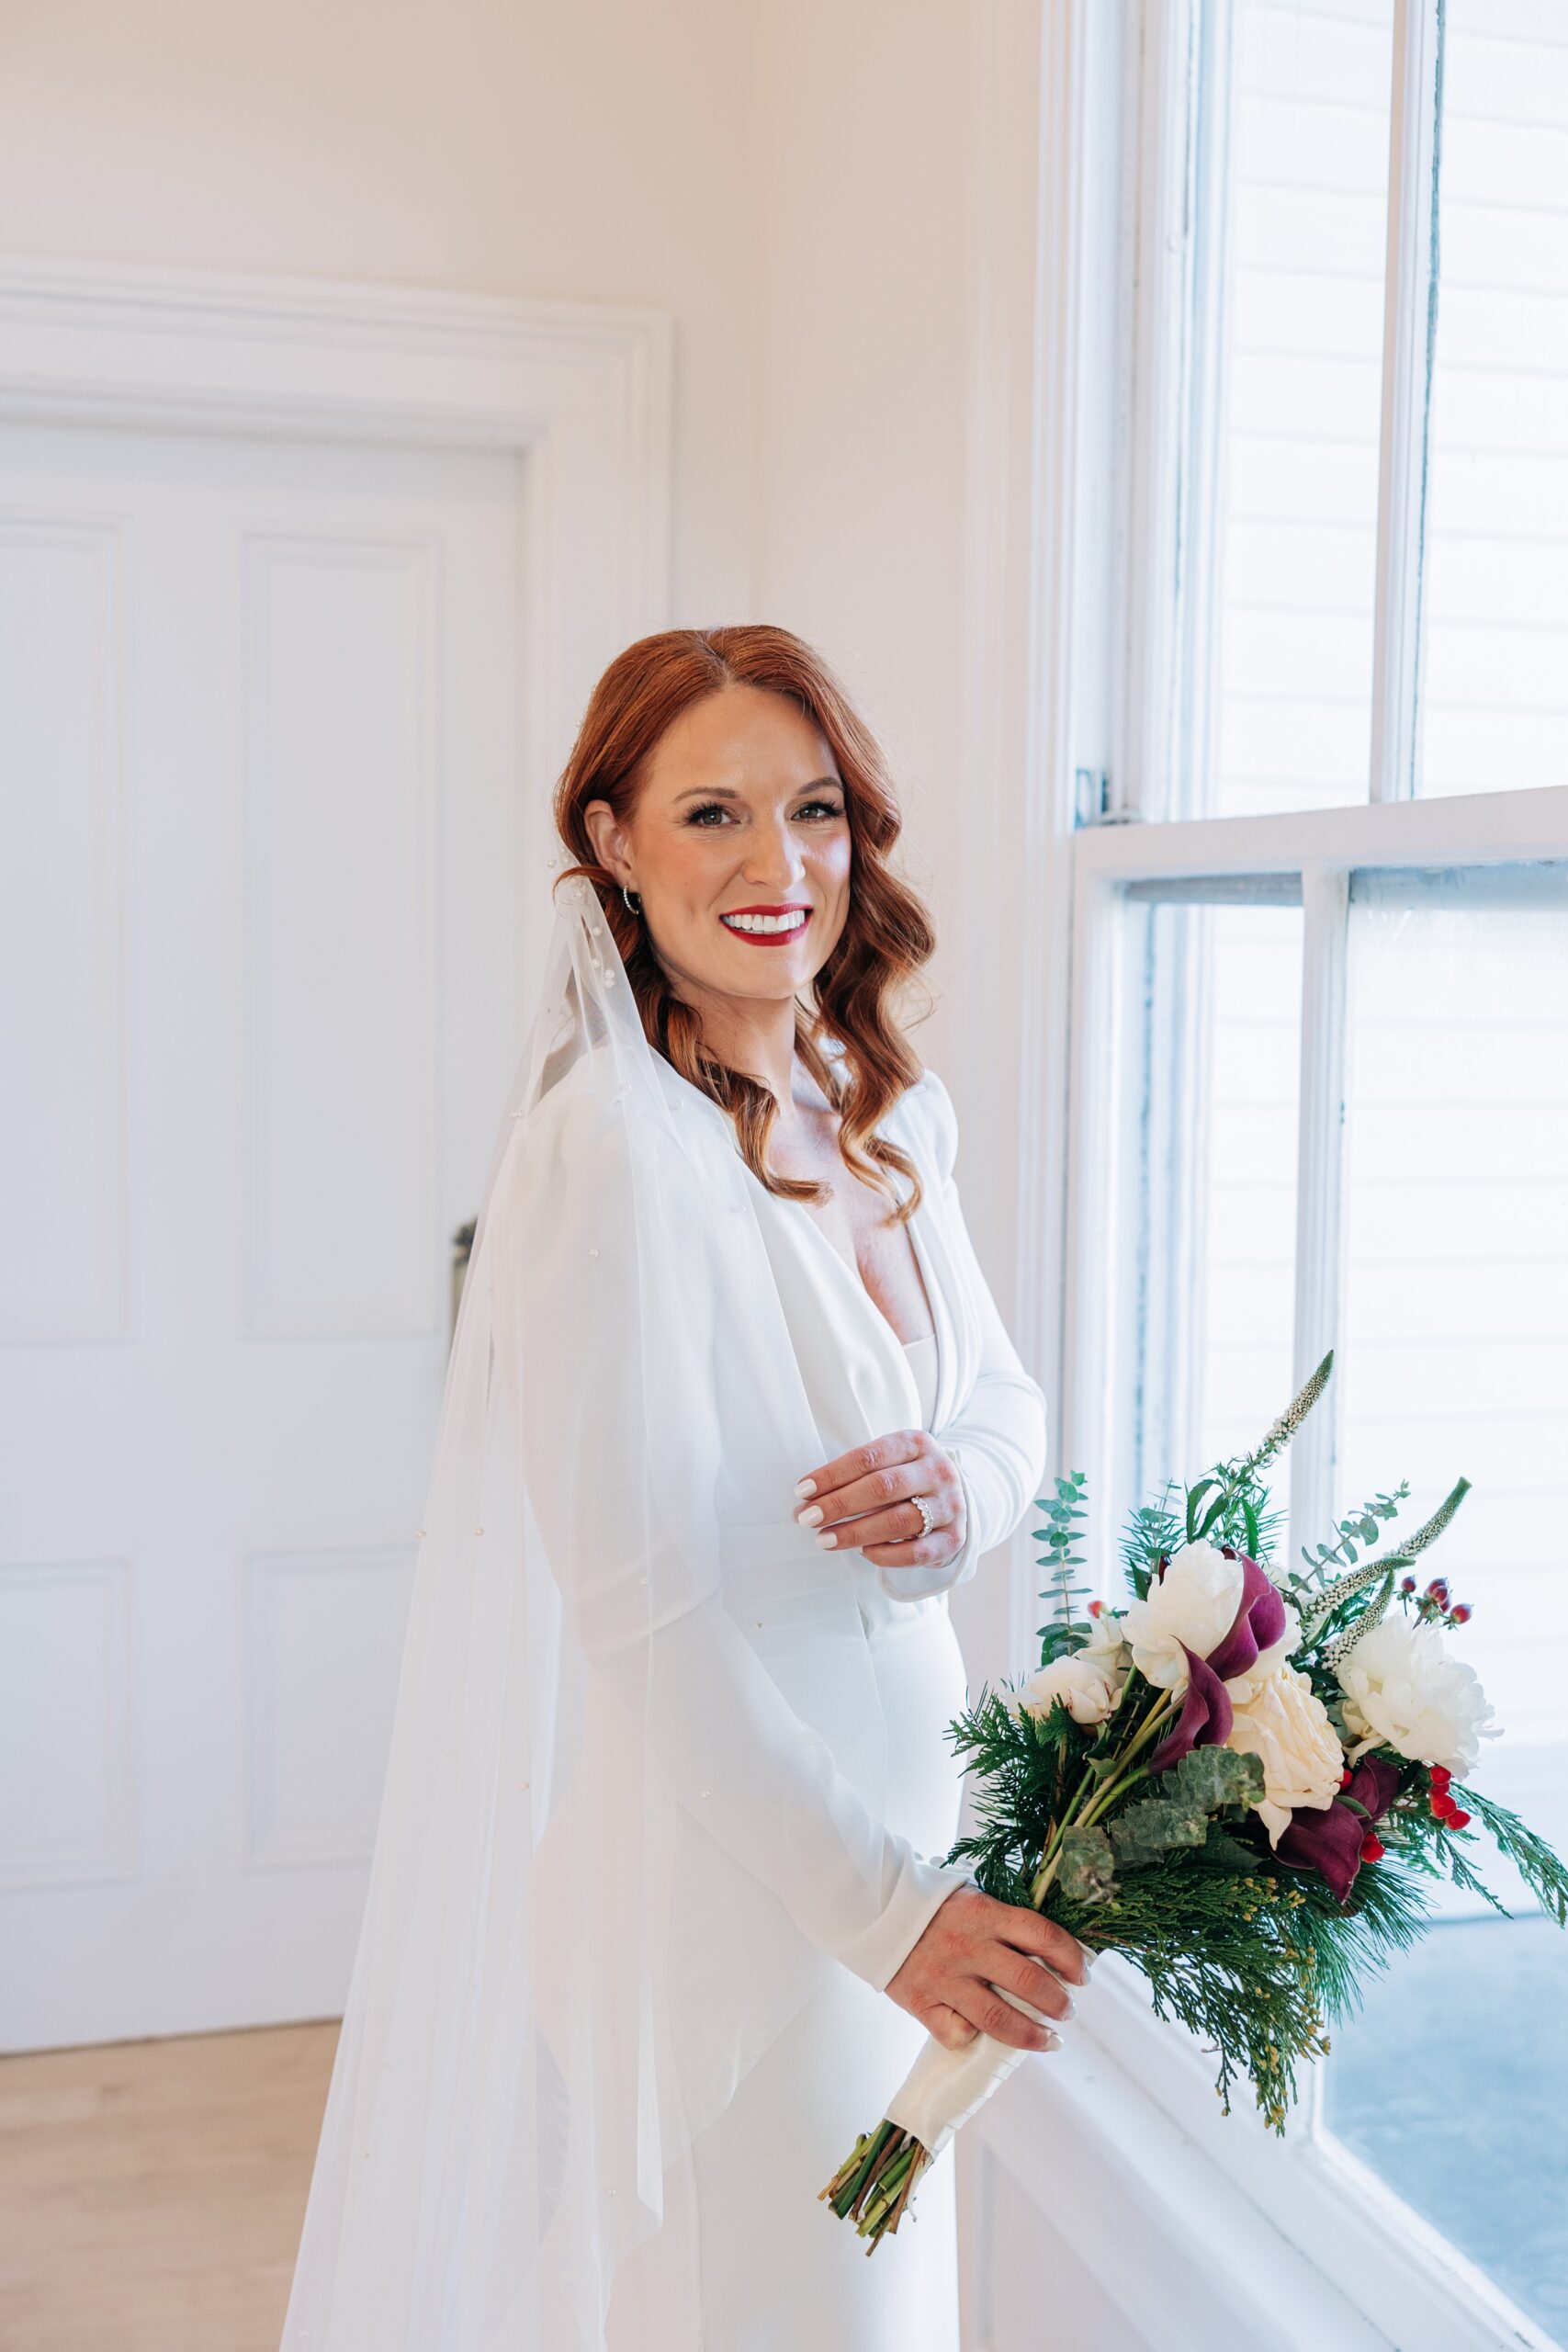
1443	1805
1441	1777
1372	1848
1461	1615
1346	1777
1439	1588
1458	1820
1095	1607
1406	1584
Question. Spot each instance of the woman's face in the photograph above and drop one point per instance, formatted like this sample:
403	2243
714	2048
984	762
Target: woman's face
739	845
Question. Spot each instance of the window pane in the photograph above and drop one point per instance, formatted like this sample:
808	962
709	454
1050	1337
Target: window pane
1453	2082
1494	593
1207	1268
1295	231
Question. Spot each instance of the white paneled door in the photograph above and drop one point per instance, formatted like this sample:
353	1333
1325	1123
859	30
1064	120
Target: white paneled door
259	829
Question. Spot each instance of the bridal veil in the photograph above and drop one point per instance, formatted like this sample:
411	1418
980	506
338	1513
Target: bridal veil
541	2014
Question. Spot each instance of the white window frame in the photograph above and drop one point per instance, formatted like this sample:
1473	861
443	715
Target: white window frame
1206	2229
1389	2264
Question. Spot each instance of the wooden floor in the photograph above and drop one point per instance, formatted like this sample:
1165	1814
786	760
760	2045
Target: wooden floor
152	2191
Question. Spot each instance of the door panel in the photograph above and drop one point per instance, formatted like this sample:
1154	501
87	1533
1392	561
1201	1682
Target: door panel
259	828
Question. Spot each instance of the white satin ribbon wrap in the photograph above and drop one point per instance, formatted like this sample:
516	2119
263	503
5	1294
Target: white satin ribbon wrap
944	2087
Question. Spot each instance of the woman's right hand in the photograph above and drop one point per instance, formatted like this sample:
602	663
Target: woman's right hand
974	1944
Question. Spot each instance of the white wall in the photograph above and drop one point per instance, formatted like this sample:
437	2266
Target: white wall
860	377
597	150
789	181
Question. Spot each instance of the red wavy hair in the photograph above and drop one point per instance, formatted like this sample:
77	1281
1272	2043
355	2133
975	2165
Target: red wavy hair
888	935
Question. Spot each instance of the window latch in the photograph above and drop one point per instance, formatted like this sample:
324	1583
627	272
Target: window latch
1092	803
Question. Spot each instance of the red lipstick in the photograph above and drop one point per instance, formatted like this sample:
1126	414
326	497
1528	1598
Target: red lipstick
768	938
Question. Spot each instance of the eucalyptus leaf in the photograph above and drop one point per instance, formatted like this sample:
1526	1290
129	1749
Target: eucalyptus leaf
1148	1830
1210	1777
1087	1870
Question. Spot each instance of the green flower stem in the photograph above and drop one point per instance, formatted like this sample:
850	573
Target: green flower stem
1039	1886
875	2184
847	2184
1093	1806
1116	1783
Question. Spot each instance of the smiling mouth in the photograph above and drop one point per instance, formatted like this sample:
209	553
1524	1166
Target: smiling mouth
782	923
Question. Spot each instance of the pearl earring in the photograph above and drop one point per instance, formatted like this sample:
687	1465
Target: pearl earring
633	899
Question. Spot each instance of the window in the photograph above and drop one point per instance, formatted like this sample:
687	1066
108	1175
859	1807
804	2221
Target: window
1211	988
1284	460
1456	1356
1318	1087
1493	677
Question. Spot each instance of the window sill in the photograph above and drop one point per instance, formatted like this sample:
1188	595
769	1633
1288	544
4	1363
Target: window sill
1208	2230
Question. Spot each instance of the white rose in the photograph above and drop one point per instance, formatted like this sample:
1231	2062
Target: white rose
1087	1691
1403	1691
1284	1722
1194	1602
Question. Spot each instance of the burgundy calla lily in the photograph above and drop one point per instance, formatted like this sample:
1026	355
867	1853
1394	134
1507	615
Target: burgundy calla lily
1259	1622
1206	1719
1329	1841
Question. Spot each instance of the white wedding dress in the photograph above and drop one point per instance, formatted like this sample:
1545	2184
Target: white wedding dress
668	1783
779	2271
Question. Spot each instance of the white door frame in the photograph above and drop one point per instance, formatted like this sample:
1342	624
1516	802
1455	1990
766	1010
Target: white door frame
581	389
576	400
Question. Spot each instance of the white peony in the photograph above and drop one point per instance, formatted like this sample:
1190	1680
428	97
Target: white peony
1284	1722
1087	1688
1403	1691
1194	1602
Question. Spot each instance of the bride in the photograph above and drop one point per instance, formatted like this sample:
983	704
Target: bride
657	1919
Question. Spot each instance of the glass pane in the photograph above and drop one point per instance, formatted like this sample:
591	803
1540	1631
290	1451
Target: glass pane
1453	2083
1295	235
1494	594
1207	1265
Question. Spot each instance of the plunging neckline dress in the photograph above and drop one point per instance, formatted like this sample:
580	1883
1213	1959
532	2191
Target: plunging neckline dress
780	2273
620	2140
922	1353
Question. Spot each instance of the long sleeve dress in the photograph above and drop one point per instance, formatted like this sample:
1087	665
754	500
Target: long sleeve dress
667	1783
779	2272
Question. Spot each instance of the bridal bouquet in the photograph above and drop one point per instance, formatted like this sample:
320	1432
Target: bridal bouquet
1237	1779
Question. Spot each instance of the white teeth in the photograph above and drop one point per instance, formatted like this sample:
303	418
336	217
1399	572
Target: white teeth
794	921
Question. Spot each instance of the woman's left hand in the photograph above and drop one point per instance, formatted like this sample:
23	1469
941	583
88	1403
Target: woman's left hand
871	1486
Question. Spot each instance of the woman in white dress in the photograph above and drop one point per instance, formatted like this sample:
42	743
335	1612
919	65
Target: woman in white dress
657	1919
